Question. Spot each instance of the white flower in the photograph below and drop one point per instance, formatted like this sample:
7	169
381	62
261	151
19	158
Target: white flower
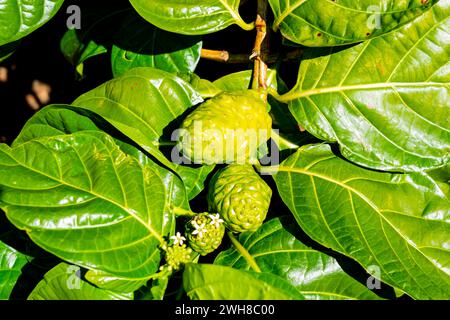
215	220
178	239
199	229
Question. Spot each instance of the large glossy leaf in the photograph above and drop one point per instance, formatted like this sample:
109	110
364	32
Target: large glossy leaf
63	283
81	198
20	18
191	16
329	23
63	119
140	44
398	223
214	282
11	264
386	101
141	104
276	250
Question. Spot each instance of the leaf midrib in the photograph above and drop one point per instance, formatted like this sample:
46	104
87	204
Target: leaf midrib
296	94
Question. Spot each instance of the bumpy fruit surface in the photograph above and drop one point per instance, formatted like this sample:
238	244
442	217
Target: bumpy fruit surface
240	196
205	232
228	128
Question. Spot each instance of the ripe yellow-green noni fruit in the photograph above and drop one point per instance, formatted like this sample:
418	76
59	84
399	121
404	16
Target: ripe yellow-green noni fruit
240	196
228	128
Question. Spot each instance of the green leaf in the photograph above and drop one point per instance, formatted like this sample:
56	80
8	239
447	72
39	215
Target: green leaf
275	249
442	178
11	264
63	282
204	87
63	119
19	18
159	287
398	223
81	198
141	104
54	120
194	178
76	51
113	283
242	80
323	23
191	17
214	282
386	101
97	33
153	47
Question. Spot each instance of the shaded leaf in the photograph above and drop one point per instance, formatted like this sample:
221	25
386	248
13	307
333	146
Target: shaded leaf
8	49
158	288
140	44
76	51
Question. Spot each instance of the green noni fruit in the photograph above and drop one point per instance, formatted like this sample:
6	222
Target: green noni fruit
241	197
205	232
228	128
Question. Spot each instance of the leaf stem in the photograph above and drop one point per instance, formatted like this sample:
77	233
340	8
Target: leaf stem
279	140
243	252
224	56
183	212
166	143
269	170
215	55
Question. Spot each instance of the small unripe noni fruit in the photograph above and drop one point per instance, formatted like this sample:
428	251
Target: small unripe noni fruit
228	128
205	232
241	197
